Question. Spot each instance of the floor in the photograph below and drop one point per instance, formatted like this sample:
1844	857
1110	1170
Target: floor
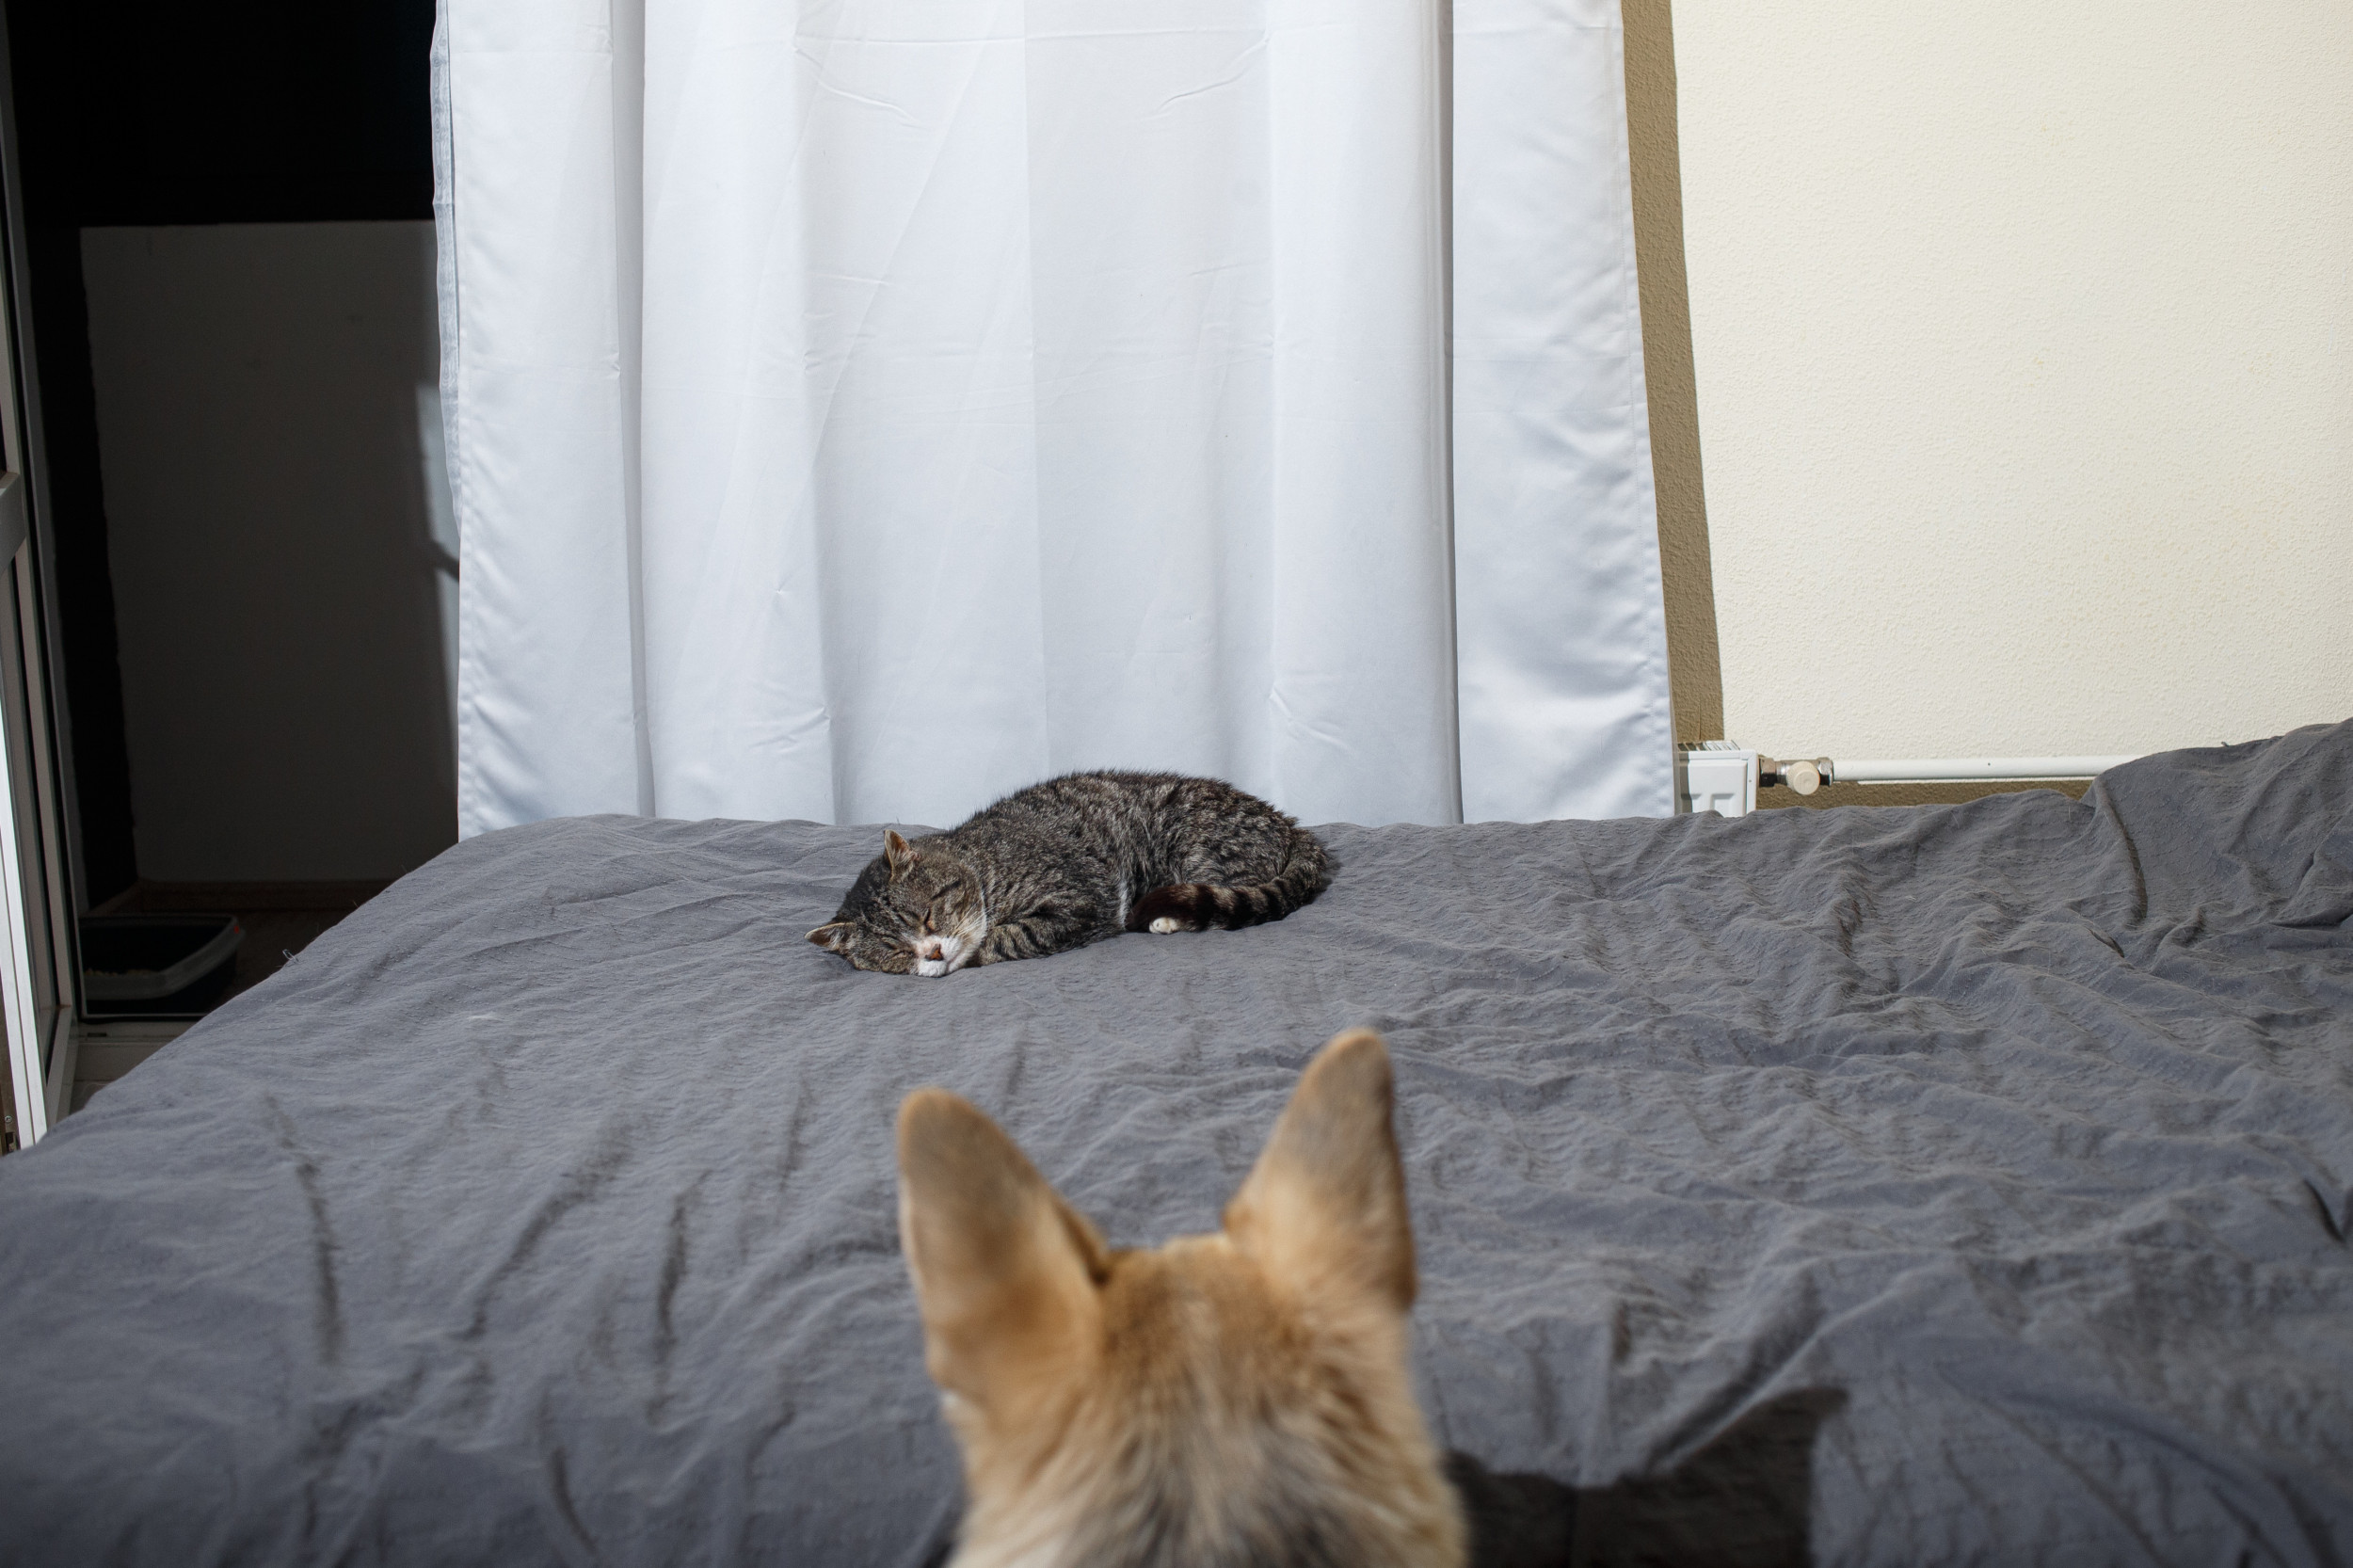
281	918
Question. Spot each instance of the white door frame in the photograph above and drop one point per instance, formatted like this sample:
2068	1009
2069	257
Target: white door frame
38	1007
40	897
27	1077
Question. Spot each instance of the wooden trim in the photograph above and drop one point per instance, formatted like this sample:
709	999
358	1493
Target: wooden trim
1687	569
1911	794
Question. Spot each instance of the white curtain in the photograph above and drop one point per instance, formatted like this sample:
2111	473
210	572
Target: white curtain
859	408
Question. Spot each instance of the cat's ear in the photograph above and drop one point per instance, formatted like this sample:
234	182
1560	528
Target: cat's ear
1325	1207
834	936
899	853
1006	1274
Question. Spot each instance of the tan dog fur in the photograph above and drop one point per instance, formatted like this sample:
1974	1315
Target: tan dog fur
1241	1398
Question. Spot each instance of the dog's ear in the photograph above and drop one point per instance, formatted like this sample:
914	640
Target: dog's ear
899	853
1006	1274
834	936
1325	1207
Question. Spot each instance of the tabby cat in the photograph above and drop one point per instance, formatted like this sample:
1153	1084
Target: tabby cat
1073	860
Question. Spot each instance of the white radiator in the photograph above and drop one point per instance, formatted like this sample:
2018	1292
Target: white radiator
1723	776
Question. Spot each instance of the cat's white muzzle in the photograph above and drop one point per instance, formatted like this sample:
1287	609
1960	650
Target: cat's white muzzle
941	956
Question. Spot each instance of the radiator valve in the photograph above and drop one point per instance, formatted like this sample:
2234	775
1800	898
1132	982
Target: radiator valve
1805	774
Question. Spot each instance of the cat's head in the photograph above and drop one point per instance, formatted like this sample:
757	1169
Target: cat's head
912	911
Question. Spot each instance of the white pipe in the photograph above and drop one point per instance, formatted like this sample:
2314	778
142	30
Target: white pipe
1966	769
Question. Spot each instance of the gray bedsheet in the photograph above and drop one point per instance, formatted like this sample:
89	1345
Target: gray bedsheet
1963	1184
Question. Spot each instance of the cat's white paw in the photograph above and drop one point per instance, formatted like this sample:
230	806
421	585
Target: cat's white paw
1166	924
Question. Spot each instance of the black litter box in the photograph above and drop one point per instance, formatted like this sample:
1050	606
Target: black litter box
156	966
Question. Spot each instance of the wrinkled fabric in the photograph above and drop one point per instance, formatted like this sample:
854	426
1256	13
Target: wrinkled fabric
861	409
1997	1157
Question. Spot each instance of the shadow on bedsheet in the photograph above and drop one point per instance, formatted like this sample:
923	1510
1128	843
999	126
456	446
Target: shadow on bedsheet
1740	1502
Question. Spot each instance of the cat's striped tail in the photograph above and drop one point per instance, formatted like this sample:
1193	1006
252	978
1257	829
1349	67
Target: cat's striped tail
1205	906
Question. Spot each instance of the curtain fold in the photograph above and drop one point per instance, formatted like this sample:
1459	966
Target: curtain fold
858	410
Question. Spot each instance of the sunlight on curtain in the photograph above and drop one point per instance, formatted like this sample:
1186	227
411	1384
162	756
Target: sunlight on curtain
858	410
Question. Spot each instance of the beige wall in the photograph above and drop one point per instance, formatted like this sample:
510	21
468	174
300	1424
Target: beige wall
2023	348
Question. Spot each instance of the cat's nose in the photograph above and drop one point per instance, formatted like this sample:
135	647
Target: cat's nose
933	951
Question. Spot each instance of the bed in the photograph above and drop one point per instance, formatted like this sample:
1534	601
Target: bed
1937	1184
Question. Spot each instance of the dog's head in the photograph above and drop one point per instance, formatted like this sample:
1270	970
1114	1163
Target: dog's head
1241	1398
